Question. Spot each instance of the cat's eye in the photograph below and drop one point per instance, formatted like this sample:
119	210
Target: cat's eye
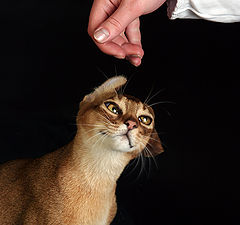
113	107
147	120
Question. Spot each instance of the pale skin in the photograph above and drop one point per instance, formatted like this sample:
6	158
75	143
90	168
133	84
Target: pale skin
114	26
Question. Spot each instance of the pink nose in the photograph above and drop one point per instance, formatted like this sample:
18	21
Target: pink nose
131	124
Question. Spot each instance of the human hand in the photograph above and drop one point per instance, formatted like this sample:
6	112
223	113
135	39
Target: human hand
114	26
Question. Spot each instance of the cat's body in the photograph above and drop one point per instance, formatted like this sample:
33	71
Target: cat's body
76	184
51	190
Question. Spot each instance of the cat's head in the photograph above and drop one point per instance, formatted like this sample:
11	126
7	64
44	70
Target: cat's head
117	121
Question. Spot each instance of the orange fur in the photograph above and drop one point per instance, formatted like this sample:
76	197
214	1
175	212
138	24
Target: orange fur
76	184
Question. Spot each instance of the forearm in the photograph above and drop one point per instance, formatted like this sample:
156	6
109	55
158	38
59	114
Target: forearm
225	11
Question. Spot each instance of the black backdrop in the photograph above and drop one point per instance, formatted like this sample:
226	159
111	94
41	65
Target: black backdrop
48	63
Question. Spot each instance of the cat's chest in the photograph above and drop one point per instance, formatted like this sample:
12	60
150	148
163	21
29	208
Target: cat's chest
92	217
91	211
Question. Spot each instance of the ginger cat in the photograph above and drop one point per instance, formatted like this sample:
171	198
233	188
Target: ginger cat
75	185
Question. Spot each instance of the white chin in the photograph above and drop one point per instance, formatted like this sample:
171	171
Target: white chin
121	143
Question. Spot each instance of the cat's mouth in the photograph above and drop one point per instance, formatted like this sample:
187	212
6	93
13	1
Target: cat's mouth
126	135
129	140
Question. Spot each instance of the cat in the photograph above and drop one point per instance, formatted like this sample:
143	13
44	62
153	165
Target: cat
75	185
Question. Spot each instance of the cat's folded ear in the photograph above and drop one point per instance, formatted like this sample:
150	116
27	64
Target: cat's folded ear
106	90
154	146
109	87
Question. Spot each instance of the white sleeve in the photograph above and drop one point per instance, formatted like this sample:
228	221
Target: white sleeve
225	11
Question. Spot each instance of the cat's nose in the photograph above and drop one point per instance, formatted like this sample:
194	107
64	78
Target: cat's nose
131	124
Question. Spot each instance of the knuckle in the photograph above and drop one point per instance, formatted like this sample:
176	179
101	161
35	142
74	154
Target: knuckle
134	7
115	23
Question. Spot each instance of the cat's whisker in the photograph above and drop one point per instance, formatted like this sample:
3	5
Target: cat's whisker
88	140
169	114
107	116
145	165
150	98
125	86
135	164
90	125
154	139
161	102
140	158
111	125
149	166
102	137
161	142
116	90
105	134
148	152
157	133
115	69
141	141
97	134
101	71
142	168
99	139
152	156
96	129
108	122
97	126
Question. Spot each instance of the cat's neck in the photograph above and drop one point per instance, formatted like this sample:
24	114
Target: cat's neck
95	166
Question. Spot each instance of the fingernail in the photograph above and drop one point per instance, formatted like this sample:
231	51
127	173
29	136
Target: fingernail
134	59
101	35
136	56
135	64
119	56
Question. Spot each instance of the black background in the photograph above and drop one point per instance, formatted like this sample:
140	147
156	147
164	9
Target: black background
48	63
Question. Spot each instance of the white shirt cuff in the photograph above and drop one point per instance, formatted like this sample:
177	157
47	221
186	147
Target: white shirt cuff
225	11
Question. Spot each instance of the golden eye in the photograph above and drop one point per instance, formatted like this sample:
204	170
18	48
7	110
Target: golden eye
147	120
113	107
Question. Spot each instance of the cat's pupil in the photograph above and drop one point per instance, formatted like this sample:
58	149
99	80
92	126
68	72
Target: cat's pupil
114	110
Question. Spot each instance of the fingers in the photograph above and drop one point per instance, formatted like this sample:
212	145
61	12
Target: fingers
134	53
107	23
117	22
134	37
111	48
133	32
101	9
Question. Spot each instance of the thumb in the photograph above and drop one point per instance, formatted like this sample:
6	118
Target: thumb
116	23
